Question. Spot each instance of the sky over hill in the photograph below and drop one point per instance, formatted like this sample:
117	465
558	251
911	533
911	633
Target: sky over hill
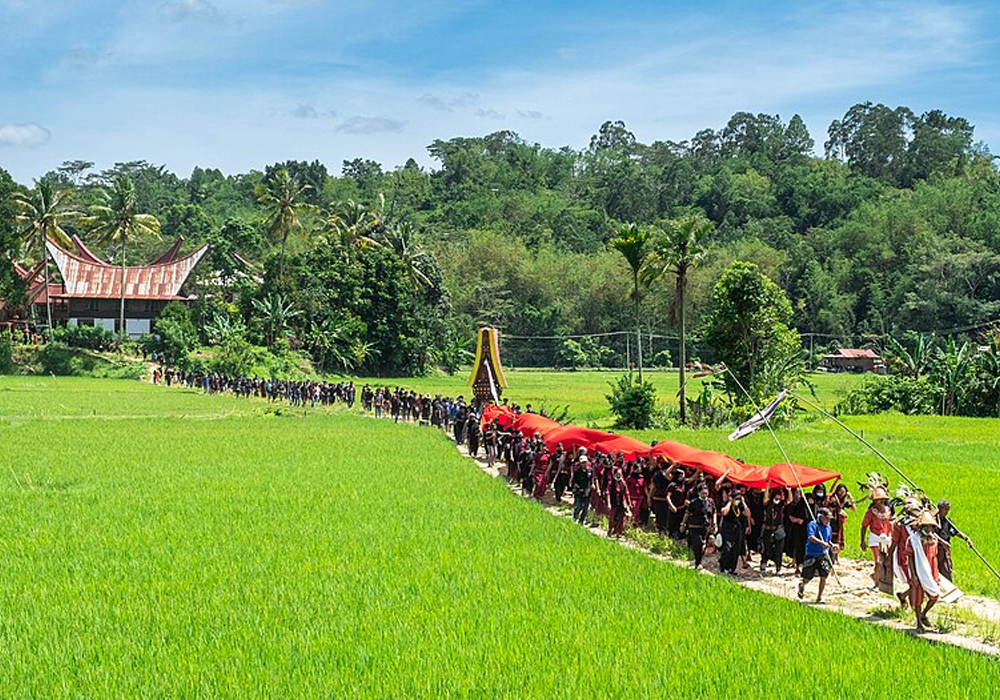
238	84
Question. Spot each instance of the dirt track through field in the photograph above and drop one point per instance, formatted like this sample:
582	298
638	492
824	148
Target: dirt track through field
972	622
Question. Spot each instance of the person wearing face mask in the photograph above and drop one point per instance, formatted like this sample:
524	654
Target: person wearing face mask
734	523
796	515
700	520
773	531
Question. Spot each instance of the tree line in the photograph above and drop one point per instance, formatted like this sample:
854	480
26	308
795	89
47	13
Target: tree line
895	227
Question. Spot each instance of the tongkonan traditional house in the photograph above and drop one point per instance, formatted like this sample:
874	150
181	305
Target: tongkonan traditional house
89	292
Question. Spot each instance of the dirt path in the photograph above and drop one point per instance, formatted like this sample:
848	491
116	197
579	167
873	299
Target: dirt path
972	622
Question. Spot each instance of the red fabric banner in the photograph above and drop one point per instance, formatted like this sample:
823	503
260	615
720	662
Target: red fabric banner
533	424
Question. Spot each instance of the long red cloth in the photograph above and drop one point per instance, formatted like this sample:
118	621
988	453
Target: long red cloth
713	463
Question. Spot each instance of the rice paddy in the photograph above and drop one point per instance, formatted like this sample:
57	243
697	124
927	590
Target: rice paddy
222	549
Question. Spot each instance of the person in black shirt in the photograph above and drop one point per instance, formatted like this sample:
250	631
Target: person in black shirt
796	517
945	531
735	522
561	467
773	531
658	486
699	518
582	482
619	503
677	500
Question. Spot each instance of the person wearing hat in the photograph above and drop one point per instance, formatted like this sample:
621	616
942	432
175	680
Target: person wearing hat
919	562
581	484
819	550
877	523
946	530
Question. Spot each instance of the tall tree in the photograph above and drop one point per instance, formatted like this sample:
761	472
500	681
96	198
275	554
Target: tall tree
747	326
117	221
679	247
41	214
401	239
354	225
284	198
633	242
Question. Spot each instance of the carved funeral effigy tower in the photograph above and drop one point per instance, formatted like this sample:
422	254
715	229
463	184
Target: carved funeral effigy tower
487	379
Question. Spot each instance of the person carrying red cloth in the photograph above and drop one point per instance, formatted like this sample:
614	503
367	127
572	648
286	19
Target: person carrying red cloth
618	500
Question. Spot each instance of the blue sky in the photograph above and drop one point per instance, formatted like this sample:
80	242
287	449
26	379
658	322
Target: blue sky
238	84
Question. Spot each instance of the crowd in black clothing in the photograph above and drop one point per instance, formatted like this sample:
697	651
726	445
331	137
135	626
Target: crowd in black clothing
677	501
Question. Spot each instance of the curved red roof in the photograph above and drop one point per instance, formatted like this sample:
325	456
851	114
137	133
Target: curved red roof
100	280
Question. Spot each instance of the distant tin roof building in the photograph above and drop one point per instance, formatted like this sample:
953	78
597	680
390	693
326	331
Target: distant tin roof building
90	291
854	360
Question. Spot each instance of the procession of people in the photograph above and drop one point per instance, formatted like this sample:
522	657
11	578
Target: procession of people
909	539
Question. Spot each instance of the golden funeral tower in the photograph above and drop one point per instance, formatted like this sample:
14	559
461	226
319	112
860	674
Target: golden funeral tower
487	379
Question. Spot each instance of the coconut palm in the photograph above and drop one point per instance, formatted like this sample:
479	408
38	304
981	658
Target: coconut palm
401	240
679	247
632	242
353	225
41	214
283	197
116	221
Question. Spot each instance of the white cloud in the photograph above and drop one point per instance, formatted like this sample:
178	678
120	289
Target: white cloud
488	114
530	114
369	125
307	110
24	135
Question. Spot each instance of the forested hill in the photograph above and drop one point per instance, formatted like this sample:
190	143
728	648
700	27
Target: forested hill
895	227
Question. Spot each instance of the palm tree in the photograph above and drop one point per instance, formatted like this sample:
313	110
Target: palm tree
679	249
632	242
401	240
353	225
283	198
117	222
41	214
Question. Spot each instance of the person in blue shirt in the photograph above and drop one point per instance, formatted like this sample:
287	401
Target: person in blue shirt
819	548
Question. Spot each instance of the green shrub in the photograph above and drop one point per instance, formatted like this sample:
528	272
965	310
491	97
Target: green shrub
60	359
662	359
895	392
88	337
6	356
632	402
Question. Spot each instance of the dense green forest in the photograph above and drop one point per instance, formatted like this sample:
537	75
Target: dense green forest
895	228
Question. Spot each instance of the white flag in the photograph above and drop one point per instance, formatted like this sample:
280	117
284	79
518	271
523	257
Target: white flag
758	419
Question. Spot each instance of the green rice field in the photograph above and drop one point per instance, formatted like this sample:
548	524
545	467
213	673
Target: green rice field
584	392
159	543
954	458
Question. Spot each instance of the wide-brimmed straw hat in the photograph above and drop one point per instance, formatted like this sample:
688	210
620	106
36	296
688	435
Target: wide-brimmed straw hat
926	519
880	494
